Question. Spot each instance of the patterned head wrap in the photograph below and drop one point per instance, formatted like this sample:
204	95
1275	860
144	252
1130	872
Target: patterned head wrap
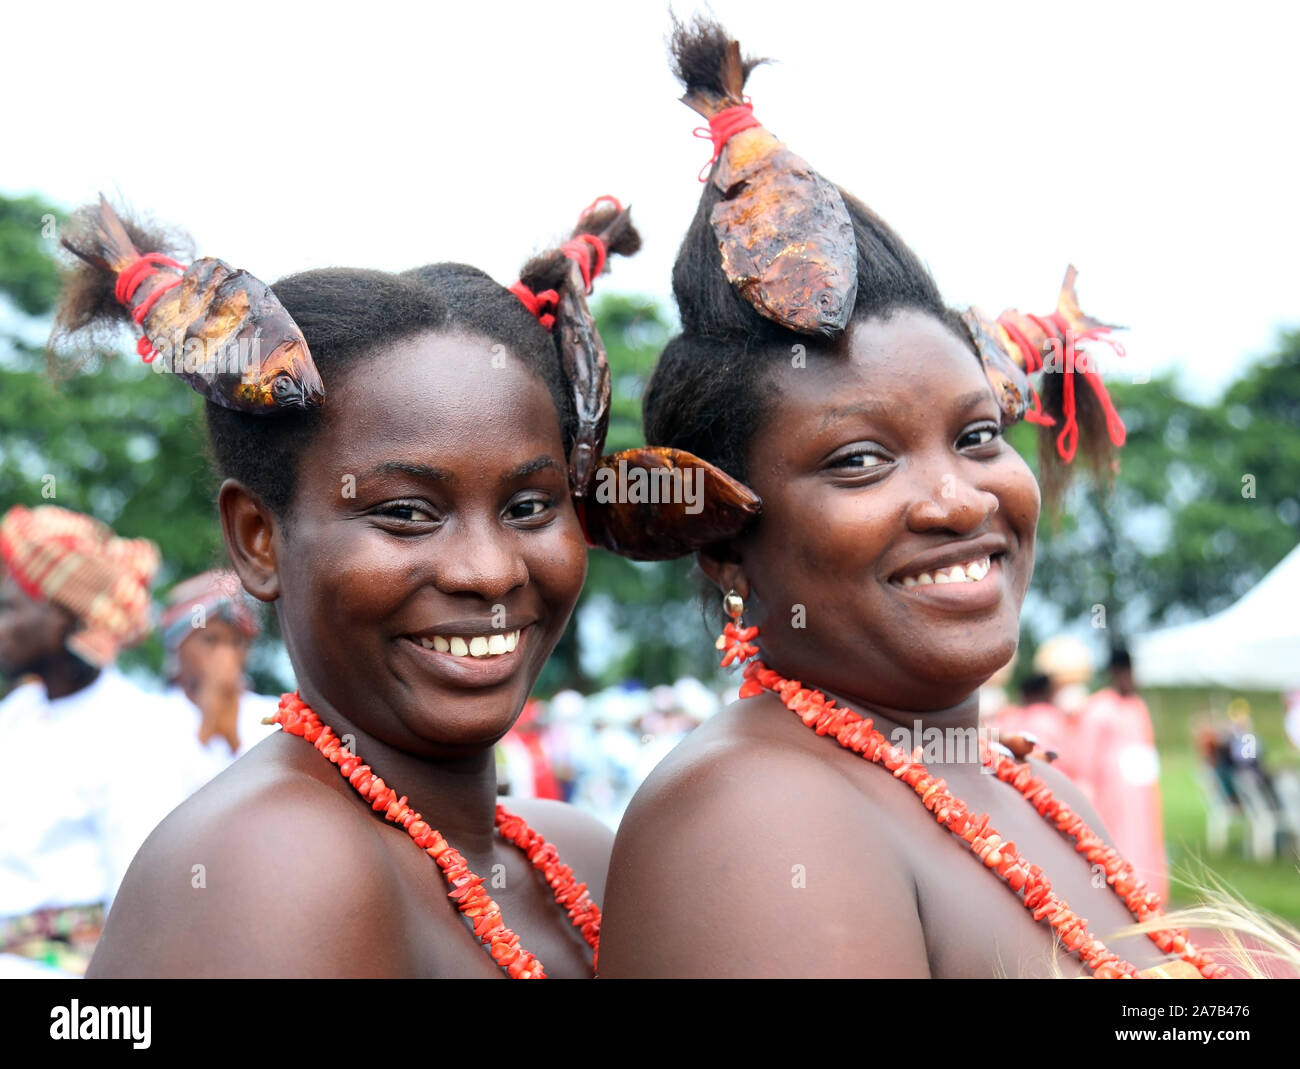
77	562
217	594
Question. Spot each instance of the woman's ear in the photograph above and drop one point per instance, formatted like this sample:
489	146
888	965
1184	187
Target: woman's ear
722	563
249	529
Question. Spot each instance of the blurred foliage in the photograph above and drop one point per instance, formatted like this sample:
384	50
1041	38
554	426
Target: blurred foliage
1174	537
648	610
109	437
1206	501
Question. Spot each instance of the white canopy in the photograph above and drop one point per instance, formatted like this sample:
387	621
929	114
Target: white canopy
1252	645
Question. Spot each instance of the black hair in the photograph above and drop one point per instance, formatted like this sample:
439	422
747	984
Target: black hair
1036	688
707	393
1120	658
346	314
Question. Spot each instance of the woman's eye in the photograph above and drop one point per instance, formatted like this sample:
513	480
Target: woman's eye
406	512
530	508
980	436
860	461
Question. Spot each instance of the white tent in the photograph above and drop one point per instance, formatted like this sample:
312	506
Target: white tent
1252	645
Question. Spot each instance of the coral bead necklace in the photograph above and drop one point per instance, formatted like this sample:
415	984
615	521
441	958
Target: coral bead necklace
856	733
297	718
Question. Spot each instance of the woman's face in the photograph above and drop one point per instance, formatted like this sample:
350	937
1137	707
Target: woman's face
432	556
881	469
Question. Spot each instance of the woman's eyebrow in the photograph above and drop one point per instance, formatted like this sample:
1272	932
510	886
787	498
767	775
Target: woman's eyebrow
427	471
402	467
974	398
879	408
858	408
531	467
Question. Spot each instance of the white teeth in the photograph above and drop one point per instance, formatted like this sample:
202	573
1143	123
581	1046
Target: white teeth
476	646
971	572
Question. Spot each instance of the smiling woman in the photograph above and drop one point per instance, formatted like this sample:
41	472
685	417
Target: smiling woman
415	530
880	586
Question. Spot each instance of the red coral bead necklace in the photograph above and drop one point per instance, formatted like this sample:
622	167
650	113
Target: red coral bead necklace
856	733
297	718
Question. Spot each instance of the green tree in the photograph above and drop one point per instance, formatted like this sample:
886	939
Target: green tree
646	619
109	438
1206	501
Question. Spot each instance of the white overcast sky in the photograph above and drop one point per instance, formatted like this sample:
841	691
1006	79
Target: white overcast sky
1154	145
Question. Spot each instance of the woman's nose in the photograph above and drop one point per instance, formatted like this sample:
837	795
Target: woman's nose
950	501
480	558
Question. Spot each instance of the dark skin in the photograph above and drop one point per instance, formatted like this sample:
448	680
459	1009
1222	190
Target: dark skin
461	506
761	849
33	637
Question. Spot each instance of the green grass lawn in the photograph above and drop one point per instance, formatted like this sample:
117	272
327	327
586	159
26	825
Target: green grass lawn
1272	887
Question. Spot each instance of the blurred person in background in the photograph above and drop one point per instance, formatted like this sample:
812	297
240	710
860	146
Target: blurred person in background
207	629
1118	767
76	802
1291	719
524	767
1034	717
1068	665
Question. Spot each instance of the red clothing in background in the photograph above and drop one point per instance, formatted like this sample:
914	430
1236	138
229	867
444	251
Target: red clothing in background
1118	768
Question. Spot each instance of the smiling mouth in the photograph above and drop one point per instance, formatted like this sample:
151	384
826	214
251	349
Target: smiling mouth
472	647
971	571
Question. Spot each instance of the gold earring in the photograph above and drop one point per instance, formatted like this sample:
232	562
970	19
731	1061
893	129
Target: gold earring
733	604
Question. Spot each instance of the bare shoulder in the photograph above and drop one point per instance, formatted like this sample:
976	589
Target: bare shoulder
743	833
255	875
582	841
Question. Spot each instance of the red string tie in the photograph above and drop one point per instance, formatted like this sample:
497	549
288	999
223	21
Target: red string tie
542	305
1067	441
580	250
1033	362
722	127
604	198
130	279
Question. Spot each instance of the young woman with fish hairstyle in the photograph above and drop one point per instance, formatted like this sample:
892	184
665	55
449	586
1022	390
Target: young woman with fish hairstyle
414	526
868	417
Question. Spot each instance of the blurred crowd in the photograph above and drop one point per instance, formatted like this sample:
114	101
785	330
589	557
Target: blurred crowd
98	759
594	751
1104	741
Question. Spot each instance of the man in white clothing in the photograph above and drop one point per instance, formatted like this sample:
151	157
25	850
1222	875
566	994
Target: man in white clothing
93	763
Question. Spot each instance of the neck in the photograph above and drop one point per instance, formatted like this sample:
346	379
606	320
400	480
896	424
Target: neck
67	675
456	795
948	737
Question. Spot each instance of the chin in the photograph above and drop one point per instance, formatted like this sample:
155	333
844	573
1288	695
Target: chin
469	721
954	675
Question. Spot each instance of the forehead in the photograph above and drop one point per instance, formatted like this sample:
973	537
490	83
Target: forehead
437	394
903	366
